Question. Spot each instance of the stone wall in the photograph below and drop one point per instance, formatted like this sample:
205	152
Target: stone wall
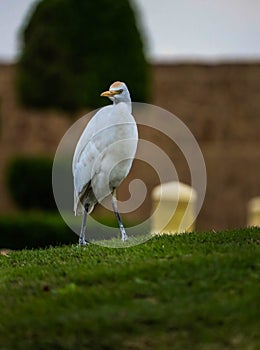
24	131
221	106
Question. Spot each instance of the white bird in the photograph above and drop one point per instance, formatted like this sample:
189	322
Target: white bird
104	155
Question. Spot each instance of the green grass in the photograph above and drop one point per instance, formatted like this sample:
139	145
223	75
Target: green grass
191	291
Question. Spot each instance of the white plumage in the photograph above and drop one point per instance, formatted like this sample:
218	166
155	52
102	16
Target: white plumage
104	154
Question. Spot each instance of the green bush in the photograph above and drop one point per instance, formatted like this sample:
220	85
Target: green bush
29	180
72	50
34	231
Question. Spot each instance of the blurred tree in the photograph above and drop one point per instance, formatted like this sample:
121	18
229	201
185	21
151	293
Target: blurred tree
72	50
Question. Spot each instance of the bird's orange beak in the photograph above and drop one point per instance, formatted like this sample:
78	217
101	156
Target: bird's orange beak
108	93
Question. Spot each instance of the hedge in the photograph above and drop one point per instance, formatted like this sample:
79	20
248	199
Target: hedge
34	231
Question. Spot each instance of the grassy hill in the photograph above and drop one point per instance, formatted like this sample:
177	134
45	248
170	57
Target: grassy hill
190	291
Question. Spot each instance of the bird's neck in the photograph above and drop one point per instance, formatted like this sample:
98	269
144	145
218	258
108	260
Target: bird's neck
128	104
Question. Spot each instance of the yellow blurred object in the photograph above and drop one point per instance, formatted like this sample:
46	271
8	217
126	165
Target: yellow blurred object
253	212
173	208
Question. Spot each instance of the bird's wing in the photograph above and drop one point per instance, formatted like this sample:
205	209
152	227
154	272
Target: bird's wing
87	151
89	131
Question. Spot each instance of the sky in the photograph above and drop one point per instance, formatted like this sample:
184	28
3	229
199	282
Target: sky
173	29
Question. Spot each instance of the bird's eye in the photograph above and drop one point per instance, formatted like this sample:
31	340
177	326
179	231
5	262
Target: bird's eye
120	91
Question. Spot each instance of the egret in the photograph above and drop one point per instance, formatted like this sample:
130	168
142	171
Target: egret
104	155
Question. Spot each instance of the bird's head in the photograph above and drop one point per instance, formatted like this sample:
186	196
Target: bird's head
117	92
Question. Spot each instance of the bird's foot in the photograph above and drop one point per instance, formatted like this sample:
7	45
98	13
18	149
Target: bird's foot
83	242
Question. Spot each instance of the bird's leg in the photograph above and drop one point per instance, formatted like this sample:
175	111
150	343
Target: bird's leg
82	240
121	226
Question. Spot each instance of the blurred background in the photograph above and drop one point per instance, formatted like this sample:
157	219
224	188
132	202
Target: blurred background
198	59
